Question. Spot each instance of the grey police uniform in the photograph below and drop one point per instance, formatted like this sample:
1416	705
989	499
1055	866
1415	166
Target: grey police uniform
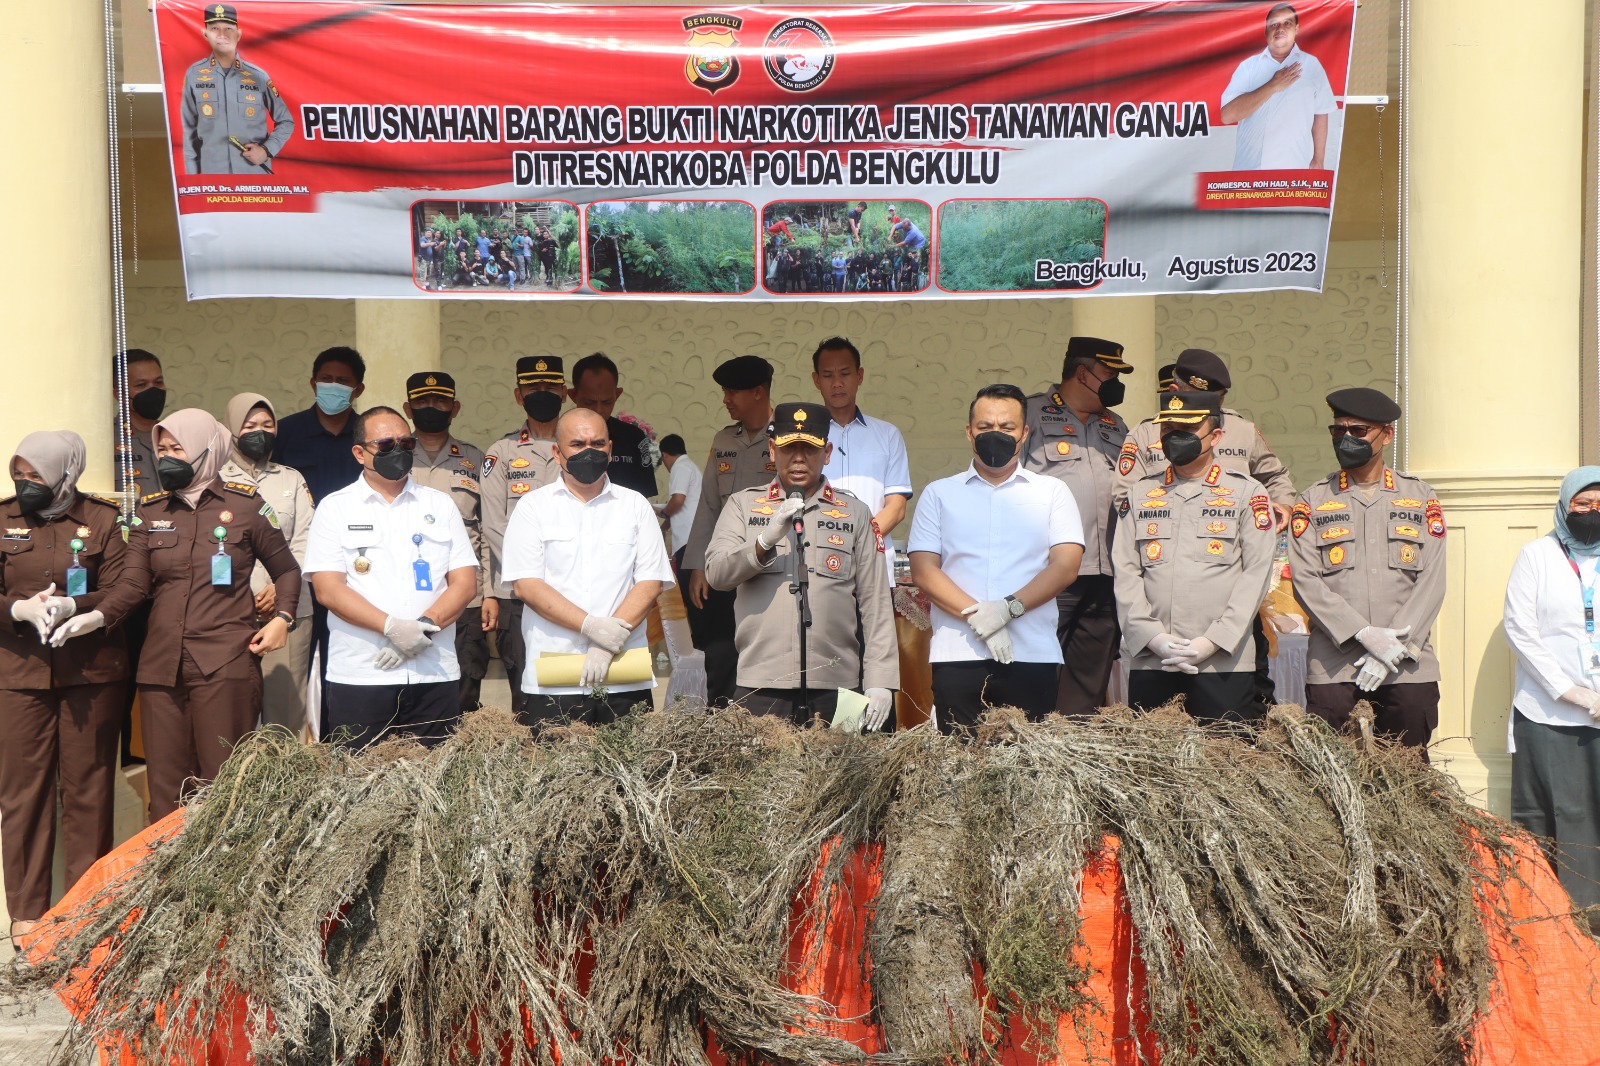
851	642
222	102
1242	448
1193	558
141	456
454	471
1370	558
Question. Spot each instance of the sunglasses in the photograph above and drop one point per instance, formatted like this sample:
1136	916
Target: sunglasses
385	445
1355	431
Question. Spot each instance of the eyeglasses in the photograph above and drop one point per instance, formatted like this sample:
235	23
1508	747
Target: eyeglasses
1584	506
385	445
1355	431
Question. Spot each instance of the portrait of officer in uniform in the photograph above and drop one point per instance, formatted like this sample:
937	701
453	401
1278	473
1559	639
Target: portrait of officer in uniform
227	104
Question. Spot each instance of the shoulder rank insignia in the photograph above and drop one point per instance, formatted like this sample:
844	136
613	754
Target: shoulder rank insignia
1388	480
154	496
107	500
1214	475
243	488
455	450
1261	507
827	494
774	491
1344	481
1056	400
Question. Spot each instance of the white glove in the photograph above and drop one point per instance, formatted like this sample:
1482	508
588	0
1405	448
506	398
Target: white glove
596	665
778	528
1587	698
1386	645
1000	647
38	611
1372	674
409	636
610	633
77	626
1162	645
880	701
1190	653
389	657
988	617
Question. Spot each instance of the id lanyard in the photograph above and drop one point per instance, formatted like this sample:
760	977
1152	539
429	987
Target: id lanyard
1588	593
77	575
419	569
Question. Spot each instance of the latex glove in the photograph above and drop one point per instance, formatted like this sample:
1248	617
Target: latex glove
1000	647
1163	645
37	611
610	633
1386	645
409	636
778	528
1194	652
77	626
988	617
880	701
595	667
388	657
1372	673
1587	698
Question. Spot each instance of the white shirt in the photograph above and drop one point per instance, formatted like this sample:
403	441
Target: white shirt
1544	626
592	553
1277	136
869	461
992	540
684	478
356	522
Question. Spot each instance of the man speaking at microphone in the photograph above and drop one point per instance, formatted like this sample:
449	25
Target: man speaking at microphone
839	565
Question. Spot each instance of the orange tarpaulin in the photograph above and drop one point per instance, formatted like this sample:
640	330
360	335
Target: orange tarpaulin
1545	1009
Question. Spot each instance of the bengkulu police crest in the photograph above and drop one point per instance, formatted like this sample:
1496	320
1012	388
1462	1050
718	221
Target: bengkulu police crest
712	63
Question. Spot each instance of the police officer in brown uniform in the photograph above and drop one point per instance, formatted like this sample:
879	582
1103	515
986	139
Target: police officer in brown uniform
1074	436
60	552
199	675
1366	548
740	459
452	466
1193	557
226	103
851	640
516	464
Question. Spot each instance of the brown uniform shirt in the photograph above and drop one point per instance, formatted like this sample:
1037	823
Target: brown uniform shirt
1241	448
514	466
170	553
1361	560
34	553
738	461
454	471
1081	454
852	638
1194	558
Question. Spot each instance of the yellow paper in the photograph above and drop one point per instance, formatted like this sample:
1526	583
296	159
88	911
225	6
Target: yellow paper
557	670
848	711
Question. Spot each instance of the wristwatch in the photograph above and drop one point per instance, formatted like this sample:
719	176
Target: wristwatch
287	617
1014	605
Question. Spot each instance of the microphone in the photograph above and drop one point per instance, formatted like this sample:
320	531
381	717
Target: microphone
800	515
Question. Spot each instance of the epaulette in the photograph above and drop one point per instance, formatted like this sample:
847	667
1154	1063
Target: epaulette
109	501
243	488
154	496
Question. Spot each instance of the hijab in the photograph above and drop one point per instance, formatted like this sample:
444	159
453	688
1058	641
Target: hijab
1571	485
58	456
204	440
237	411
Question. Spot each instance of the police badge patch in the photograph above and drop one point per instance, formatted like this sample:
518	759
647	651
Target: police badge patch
712	63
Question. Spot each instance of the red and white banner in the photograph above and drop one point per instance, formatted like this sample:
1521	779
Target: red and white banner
874	152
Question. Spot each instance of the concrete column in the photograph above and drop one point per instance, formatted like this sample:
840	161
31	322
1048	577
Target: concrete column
59	348
397	338
1131	322
1492	400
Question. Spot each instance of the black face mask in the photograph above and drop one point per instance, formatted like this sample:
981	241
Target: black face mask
433	420
995	449
588	466
393	465
257	444
1182	447
32	496
174	474
150	403
1112	391
542	406
1585	528
1352	452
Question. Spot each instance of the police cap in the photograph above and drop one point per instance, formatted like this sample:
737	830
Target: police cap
1108	353
540	370
1202	371
1190	408
803	423
221	13
1167	375
743	372
1369	405
430	383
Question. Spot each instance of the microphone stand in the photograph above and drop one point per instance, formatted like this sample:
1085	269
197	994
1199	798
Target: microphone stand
800	588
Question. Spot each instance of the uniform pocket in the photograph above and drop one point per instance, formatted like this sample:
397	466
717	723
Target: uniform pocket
560	555
16	547
833	563
1060	447
1154	536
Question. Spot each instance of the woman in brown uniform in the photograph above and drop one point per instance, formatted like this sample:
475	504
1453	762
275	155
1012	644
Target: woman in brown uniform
59	707
199	673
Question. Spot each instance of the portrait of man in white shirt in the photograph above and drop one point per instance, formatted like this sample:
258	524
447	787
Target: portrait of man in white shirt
1280	98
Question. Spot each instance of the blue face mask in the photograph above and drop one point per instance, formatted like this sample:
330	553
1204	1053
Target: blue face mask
333	398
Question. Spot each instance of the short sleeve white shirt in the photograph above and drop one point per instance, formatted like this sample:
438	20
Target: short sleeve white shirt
357	523
1278	135
992	540
1544	626
869	460
683	479
593	553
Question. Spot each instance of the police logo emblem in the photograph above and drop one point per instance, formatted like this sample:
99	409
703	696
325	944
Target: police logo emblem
225	517
1408	554
723	468
1214	547
713	62
207	110
1336	555
249	112
833	563
84	532
1063	448
1152	551
362	565
1152	529
799	54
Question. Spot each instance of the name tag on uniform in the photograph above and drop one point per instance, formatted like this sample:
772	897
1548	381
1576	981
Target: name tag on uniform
222	570
77	581
424	579
1590	653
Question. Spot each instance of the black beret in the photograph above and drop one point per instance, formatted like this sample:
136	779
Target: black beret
743	372
804	422
1190	408
1202	370
1109	353
1370	405
430	383
540	370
